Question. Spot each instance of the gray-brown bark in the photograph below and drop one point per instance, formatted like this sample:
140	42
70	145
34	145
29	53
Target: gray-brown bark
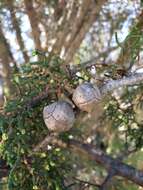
121	169
115	84
70	36
16	27
33	22
88	21
113	165
72	25
5	58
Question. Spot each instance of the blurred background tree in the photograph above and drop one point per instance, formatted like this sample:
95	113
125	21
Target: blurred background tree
48	47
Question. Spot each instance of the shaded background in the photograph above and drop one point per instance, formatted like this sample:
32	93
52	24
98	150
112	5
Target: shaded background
78	33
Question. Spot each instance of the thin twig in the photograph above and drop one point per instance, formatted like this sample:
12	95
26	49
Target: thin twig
87	182
49	139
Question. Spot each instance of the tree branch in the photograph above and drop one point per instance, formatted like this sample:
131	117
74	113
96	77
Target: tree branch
108	180
109	163
114	84
121	169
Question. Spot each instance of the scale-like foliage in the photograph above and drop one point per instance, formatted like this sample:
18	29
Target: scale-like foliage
22	127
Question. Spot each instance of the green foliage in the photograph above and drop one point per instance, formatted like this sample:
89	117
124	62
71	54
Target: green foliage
132	45
123	120
22	127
